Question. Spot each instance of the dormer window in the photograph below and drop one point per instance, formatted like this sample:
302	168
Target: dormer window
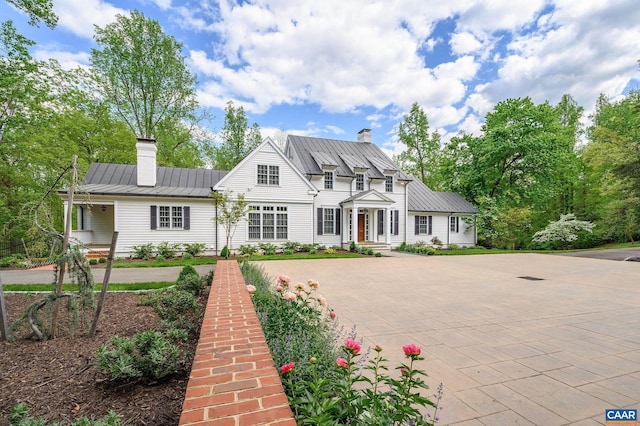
328	180
388	184
268	175
359	181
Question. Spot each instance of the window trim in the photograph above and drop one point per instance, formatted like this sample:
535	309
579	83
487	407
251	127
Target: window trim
454	224
320	221
329	180
268	219
359	181
176	217
388	183
267	175
427	227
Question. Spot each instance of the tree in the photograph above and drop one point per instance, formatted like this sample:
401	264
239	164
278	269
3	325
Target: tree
38	10
141	74
238	139
563	231
512	226
229	212
421	156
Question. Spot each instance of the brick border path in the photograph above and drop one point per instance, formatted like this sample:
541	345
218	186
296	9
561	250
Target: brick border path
233	379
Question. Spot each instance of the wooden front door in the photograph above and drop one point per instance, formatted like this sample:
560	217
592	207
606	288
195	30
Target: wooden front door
360	227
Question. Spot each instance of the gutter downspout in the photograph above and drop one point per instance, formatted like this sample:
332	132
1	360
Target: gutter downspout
216	222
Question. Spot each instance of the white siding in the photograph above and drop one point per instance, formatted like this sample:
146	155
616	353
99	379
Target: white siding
133	221
441	230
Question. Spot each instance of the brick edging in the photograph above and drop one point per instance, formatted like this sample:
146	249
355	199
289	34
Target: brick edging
233	380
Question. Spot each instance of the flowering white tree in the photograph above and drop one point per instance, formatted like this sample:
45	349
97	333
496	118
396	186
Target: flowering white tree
564	230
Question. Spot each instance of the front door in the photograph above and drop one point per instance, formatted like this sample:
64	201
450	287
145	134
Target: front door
360	227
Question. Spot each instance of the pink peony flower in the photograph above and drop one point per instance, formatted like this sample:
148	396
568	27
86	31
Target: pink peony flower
251	289
288	295
284	280
404	372
279	288
299	286
313	284
322	300
333	314
411	350
342	362
287	367
352	346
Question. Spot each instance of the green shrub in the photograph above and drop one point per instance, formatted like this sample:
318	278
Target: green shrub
186	271
225	252
268	248
93	261
176	308
14	259
370	252
378	254
403	246
18	417
143	251
292	246
194	249
352	246
287	252
149	355
167	250
102	260
160	258
208	278
313	251
453	246
187	256
193	284
329	251
249	249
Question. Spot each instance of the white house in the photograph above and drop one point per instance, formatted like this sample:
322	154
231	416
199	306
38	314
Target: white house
318	190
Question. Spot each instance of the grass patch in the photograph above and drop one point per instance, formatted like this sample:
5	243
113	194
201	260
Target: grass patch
297	256
165	263
152	285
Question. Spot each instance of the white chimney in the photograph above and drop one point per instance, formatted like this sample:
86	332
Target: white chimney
146	161
364	136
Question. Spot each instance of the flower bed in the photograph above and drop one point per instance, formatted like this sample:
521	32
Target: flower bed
326	376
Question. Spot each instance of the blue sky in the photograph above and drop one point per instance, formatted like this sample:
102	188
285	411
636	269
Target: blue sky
330	68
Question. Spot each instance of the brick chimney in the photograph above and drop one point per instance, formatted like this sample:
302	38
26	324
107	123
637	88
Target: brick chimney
146	161
364	136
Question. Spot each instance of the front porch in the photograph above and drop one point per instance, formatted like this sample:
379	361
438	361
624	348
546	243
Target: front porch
368	220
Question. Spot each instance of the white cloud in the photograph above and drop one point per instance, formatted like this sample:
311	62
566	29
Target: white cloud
79	16
67	60
464	43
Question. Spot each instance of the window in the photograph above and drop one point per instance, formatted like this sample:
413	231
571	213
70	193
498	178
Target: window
454	224
388	184
424	225
328	221
268	175
268	223
170	217
328	180
360	182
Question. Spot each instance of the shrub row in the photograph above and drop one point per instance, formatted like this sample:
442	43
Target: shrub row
167	250
157	354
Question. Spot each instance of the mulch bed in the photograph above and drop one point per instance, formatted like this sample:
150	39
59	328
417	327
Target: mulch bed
59	381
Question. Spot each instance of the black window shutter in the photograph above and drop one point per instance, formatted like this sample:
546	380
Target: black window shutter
457	224
154	217
320	220
430	225
396	222
186	212
338	221
380	222
417	225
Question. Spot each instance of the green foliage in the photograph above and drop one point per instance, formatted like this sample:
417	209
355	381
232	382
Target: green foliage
436	241
268	248
194	249
167	250
187	256
190	282
287	251
149	355
293	246
248	249
421	157
18	417
176	308
154	101
563	231
143	251
352	246
230	211
238	139
225	252
93	261
160	258
38	10
102	260
378	254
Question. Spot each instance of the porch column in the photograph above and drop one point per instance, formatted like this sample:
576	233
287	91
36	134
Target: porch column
389	230
354	224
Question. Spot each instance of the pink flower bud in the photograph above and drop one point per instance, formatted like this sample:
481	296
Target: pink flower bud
333	314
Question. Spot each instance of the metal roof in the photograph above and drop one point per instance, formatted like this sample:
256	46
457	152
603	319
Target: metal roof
423	199
324	159
121	179
365	155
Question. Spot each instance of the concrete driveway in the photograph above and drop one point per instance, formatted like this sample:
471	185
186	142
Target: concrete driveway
509	350
608	254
